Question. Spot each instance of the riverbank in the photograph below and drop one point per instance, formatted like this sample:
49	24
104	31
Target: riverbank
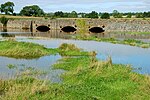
131	42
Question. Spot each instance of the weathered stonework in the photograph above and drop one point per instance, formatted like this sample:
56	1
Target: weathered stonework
130	25
1	25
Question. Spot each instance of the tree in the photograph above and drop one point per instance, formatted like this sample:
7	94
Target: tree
139	15
105	16
7	8
93	14
129	15
73	14
146	14
116	14
33	10
59	14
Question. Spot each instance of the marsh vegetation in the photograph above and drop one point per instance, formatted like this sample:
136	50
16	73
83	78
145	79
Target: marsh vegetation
131	42
86	78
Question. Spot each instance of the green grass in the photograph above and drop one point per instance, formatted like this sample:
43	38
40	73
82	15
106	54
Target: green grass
136	33
86	79
72	50
23	49
89	79
131	42
30	50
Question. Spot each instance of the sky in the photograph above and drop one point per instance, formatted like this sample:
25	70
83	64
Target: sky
84	5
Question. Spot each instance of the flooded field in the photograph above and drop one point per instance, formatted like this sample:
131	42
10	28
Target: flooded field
137	57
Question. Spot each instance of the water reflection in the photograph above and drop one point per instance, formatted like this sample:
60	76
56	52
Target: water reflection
121	54
61	34
42	63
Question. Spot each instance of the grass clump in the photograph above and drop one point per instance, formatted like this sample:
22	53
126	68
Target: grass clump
72	50
30	50
23	49
68	47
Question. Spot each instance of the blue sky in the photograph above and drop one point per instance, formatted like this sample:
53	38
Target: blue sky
84	5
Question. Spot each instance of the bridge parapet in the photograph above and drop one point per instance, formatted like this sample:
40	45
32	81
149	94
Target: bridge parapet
137	25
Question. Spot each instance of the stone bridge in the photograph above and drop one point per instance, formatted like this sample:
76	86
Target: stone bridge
126	25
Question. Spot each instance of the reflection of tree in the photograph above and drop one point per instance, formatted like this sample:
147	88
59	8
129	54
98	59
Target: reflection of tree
7	35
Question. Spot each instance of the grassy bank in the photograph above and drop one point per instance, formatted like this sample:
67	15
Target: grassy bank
23	49
131	42
134	33
86	79
90	79
30	50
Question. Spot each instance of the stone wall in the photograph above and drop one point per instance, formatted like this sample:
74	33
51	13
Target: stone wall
22	24
1	25
134	25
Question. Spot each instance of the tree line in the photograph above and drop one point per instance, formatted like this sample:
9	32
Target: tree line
34	10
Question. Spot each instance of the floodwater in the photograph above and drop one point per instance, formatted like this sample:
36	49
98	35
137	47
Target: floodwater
121	54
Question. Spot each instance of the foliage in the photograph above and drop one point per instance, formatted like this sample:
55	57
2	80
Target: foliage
116	14
93	14
105	16
139	15
73	14
129	15
146	14
82	25
33	10
59	14
4	20
7	8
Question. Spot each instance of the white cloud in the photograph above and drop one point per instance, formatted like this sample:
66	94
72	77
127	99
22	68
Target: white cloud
85	5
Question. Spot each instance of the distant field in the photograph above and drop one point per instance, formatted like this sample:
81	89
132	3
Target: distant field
32	17
21	17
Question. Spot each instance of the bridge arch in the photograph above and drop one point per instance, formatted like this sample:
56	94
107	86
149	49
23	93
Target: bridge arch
43	28
97	29
69	29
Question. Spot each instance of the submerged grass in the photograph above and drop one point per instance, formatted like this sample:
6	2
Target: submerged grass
131	42
86	79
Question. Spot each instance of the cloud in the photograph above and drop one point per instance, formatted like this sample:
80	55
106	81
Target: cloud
85	5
